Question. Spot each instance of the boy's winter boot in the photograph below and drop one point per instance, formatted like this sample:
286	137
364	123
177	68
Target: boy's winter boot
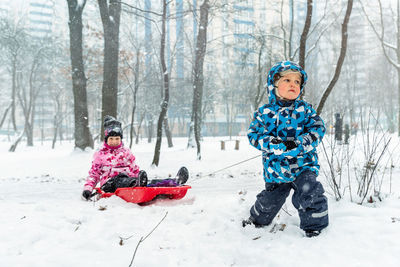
142	178
251	221
312	233
182	175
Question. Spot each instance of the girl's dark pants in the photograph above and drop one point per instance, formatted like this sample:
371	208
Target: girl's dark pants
123	180
308	199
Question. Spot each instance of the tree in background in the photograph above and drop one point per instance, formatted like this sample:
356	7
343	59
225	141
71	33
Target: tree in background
198	80
165	74
32	85
341	58
304	34
12	42
110	12
82	135
390	49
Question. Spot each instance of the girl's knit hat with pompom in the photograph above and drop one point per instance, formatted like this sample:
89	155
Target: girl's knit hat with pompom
112	127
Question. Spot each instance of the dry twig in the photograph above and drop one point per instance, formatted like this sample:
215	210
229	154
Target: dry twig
142	239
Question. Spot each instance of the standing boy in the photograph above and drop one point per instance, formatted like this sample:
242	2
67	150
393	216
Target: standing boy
287	131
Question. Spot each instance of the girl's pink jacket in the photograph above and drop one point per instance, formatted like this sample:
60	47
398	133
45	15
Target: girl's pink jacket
109	162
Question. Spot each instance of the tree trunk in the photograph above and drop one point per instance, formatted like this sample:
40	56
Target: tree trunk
110	17
30	101
14	91
190	143
132	121
57	121
291	6
29	124
53	144
56	126
398	101
168	132
136	89
27	101
138	130
260	93
60	132
304	34
29	134
5	115
340	59
283	28
198	80
82	135
150	130
398	60
164	104
16	142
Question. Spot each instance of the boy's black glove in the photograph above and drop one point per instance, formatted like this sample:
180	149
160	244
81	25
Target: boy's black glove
86	194
290	144
276	141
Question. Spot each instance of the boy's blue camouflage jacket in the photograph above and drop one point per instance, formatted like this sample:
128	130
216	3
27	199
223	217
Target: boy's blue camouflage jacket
286	121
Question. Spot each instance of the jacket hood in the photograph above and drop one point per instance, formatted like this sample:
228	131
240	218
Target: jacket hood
278	68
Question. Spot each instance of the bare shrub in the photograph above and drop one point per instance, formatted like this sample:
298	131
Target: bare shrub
366	161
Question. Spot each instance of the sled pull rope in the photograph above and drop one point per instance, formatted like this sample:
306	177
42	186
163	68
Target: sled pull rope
238	163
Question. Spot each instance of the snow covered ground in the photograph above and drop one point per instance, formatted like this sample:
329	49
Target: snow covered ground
44	222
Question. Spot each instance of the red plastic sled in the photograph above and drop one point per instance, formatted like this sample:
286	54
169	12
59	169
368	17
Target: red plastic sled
146	194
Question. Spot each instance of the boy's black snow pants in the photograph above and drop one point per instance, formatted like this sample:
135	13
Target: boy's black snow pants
308	199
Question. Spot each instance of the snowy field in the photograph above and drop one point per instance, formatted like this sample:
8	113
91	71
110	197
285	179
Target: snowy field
44	222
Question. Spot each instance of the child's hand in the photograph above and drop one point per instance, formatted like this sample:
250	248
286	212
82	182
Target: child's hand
290	145
280	147
276	141
277	146
86	194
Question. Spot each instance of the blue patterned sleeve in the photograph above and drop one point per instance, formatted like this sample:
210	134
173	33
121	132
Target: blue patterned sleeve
259	135
314	131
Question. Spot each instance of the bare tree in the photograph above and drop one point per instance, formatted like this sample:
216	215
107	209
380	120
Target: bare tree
28	94
304	34
12	40
167	131
308	30
82	135
61	98
291	6
134	88
5	115
198	81
387	47
58	116
110	11
260	90
164	103
341	58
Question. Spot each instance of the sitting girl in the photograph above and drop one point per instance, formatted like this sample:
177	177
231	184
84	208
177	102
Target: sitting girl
114	165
